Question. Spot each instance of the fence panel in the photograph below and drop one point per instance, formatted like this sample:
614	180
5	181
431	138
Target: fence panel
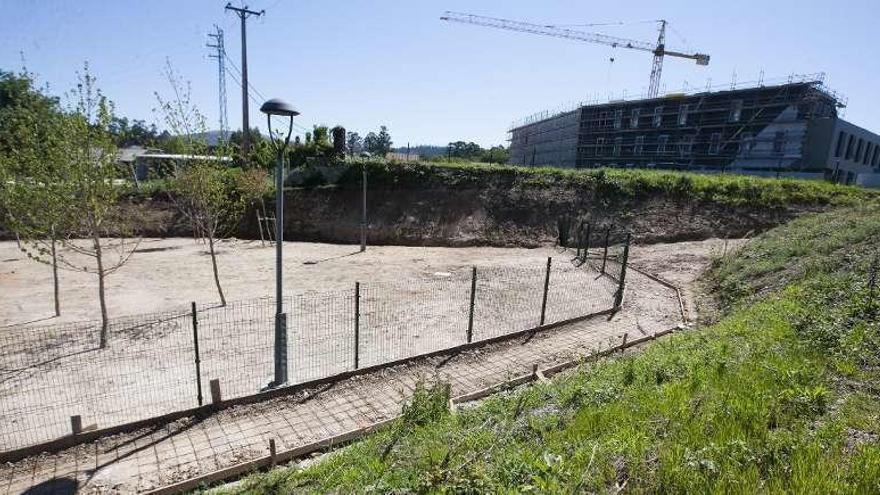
508	300
48	374
320	330
411	318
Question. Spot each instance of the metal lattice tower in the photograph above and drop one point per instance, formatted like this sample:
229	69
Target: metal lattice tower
220	55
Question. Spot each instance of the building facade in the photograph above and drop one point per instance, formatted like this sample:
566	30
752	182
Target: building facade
790	130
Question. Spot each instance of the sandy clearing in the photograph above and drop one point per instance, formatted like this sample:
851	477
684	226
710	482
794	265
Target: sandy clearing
167	274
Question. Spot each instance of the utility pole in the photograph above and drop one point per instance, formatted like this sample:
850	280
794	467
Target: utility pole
221	68
243	13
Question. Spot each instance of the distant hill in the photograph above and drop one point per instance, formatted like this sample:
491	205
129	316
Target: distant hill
210	137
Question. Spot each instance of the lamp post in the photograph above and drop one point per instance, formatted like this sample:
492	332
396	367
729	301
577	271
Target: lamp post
279	108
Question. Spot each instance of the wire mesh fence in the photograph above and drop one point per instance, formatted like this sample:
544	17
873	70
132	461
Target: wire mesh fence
148	368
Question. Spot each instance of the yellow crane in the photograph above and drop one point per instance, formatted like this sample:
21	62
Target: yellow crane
659	49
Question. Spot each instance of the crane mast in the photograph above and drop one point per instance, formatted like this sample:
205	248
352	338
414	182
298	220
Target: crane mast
658	50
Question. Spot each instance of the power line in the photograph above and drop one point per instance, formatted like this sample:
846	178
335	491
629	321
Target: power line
257	101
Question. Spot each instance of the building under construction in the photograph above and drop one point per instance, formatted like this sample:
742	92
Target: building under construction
790	129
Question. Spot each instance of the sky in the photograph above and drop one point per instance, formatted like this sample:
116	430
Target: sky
366	63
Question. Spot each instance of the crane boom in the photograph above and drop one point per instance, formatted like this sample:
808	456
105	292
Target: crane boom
658	50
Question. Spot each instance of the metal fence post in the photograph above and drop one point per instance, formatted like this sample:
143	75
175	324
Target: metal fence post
579	239
364	208
357	323
470	328
587	240
546	287
605	249
195	325
618	297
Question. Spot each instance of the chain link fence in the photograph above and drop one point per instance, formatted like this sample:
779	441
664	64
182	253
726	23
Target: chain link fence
51	374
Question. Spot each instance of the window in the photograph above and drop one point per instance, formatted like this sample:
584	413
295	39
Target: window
736	108
779	142
868	150
841	138
849	147
600	145
876	160
634	118
639	146
859	150
658	116
618	118
618	143
683	114
662	142
686	145
748	143
715	144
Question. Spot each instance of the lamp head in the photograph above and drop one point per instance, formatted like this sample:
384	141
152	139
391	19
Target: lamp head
277	106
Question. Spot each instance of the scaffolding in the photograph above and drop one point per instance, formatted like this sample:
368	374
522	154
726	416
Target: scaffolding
761	128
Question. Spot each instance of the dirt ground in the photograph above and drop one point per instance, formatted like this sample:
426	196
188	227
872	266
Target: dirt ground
167	274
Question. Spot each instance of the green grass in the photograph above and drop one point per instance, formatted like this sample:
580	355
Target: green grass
605	185
779	396
609	185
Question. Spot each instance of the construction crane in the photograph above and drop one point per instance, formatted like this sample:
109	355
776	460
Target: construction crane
659	49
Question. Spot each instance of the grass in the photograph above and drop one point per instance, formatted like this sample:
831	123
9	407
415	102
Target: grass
608	185
779	396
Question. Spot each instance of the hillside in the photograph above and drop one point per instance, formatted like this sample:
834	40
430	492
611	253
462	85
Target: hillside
477	204
780	395
470	204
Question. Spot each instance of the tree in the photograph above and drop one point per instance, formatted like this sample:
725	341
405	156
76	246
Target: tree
378	144
136	133
496	154
354	144
82	178
93	199
465	151
31	200
204	191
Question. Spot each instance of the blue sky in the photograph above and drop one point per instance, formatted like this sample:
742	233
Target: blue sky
362	63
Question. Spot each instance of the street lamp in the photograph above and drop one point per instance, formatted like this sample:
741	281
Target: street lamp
280	108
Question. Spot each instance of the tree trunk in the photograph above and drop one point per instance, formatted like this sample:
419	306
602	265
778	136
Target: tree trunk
100	261
216	274
55	276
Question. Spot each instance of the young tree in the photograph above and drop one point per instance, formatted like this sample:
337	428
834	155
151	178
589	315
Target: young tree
88	178
68	192
205	191
31	203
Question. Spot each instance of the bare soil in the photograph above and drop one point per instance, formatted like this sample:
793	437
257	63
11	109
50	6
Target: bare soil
167	274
